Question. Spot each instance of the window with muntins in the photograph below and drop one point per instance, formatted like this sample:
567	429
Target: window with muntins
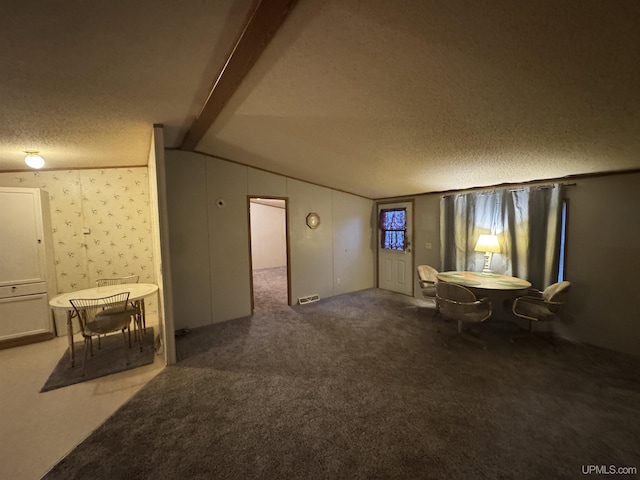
393	229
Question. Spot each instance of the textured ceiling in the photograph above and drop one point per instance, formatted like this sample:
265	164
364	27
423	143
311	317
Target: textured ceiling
379	98
83	81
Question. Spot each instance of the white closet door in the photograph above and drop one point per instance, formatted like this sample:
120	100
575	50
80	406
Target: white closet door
21	237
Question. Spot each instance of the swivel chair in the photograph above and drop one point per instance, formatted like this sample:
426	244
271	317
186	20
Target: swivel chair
541	306
460	304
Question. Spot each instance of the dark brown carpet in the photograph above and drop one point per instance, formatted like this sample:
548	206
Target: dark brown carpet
359	386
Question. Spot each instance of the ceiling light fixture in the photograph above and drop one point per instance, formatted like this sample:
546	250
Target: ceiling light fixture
33	159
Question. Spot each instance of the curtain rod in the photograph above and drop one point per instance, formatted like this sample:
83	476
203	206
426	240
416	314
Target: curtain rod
540	187
510	189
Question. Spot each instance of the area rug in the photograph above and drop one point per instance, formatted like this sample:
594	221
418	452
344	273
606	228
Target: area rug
108	359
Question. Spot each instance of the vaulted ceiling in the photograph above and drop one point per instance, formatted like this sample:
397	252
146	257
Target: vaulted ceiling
375	97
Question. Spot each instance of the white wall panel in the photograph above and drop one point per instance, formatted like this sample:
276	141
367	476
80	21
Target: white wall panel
311	249
188	239
228	239
426	235
341	246
353	243
266	184
603	259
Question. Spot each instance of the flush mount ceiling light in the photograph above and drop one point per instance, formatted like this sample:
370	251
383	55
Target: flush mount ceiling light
33	159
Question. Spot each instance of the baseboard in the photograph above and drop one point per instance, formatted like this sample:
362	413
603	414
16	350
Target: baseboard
27	339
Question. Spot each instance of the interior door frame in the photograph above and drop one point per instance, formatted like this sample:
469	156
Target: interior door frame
411	243
288	243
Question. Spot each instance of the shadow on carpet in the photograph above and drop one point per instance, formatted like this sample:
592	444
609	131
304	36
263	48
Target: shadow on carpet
107	360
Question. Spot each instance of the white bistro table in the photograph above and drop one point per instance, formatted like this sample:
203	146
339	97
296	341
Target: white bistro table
137	291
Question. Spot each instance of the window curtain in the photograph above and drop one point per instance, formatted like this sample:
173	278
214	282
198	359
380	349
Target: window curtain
526	220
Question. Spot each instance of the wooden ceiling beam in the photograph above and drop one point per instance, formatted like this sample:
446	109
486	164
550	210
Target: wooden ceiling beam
262	24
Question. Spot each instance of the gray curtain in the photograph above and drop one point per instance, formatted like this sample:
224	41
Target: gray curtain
526	220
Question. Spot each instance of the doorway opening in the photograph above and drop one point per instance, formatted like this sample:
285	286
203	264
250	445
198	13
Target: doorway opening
269	243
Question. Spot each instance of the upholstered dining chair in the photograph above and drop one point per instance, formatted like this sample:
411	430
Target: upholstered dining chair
137	305
460	304
541	306
427	278
101	316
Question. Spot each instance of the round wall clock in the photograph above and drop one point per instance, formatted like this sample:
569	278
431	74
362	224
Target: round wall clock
313	220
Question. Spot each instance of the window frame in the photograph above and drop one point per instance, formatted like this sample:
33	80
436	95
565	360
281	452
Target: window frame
562	255
383	230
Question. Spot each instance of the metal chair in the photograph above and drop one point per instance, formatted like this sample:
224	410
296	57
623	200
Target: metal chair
460	304
101	282
137	305
541	306
100	316
427	278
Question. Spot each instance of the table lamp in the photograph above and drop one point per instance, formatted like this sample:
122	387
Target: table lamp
489	245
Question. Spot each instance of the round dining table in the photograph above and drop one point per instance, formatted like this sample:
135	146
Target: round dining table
500	289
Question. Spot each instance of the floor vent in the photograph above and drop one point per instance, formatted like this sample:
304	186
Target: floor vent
309	299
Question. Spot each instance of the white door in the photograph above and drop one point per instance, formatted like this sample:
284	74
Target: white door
395	238
21	237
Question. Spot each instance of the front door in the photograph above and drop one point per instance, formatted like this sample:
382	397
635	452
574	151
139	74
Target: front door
395	237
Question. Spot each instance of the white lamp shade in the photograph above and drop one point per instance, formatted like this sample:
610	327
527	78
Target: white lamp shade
34	160
488	243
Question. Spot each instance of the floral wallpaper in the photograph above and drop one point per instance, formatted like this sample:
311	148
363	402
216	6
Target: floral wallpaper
101	223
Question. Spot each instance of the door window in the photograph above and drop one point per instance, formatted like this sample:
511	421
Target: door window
393	227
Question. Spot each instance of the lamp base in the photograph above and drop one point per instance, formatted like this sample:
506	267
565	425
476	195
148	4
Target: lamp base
487	262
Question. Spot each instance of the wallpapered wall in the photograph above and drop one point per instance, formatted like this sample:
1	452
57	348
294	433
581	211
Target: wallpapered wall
113	204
